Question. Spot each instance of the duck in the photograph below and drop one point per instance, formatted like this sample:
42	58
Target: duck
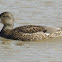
23	33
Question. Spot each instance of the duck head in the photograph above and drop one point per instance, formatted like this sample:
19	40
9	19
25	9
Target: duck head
7	19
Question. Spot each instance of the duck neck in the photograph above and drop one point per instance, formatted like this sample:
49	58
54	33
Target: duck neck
7	27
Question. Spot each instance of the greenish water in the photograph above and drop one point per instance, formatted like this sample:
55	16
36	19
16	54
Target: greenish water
36	12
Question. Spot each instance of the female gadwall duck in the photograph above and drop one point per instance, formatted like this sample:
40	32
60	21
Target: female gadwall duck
24	33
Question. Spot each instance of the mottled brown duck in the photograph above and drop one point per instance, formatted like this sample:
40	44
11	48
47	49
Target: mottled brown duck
24	33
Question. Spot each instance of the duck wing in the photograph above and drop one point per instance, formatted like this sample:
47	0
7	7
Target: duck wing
30	29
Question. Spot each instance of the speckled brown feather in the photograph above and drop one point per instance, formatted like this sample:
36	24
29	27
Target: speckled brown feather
31	29
28	36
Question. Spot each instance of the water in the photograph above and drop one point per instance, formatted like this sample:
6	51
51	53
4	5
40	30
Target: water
32	12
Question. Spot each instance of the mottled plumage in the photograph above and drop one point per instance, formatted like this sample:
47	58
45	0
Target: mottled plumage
31	29
55	34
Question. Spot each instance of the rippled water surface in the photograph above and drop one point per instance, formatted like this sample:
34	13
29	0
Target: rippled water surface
32	12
